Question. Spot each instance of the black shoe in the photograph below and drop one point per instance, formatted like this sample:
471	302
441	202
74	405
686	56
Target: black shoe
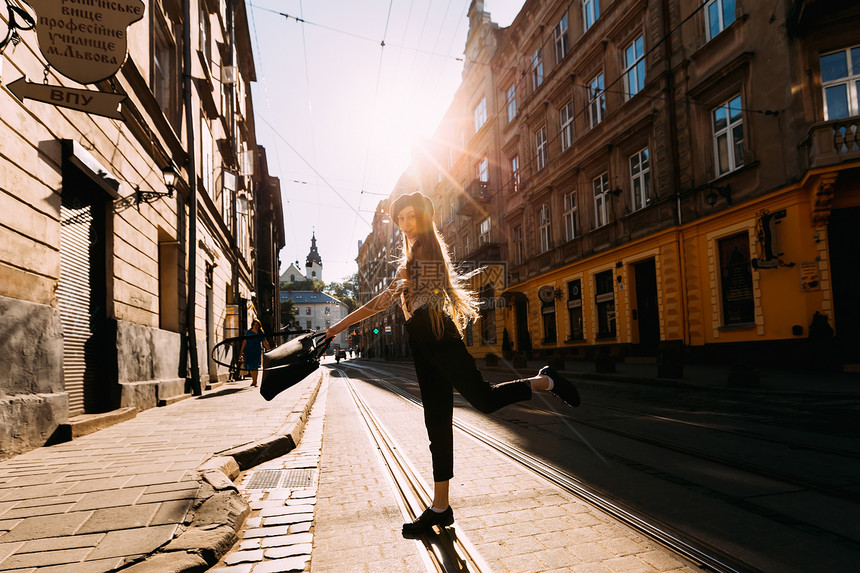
562	387
427	520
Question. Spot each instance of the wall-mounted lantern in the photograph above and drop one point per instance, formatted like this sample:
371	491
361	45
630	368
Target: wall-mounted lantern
170	175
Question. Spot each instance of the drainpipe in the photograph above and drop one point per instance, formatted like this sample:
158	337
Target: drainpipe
676	169
190	326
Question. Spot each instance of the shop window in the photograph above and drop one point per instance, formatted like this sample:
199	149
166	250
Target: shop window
736	284
604	302
574	310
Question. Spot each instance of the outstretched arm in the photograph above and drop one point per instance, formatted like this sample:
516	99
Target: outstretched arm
377	304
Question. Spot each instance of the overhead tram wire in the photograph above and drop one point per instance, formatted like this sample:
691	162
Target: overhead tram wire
310	107
312	168
289	213
373	113
353	34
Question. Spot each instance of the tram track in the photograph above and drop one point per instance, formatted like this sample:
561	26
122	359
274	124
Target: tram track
445	550
700	553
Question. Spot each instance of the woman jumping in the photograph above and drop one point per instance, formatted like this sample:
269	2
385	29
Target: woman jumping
437	307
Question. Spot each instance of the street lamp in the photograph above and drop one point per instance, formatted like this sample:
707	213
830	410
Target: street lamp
169	174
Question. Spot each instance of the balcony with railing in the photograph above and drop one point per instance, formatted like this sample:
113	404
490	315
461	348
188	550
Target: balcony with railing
833	142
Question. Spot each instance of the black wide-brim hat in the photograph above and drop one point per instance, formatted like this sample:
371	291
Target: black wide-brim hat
421	202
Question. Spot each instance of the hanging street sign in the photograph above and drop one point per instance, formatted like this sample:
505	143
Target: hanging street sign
96	103
85	40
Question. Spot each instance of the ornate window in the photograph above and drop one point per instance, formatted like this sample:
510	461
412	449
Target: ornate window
562	45
728	136
634	67
596	100
565	120
601	199
540	148
640	179
719	15
511	102
590	13
537	69
545	228
840	80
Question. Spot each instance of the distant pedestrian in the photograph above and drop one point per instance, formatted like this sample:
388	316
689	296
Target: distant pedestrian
437	306
252	349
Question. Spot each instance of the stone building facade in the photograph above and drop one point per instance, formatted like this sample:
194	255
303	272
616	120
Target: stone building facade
115	286
657	175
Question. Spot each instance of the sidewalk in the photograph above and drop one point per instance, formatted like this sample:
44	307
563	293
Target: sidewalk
119	495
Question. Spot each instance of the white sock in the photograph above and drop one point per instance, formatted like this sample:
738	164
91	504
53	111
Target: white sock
551	383
434	508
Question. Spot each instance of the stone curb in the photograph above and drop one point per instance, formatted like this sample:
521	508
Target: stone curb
219	511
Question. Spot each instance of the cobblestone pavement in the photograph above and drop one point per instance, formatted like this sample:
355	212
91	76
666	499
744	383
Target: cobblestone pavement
278	535
95	503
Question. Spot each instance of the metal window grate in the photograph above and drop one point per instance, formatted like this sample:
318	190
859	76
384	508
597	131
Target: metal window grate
271	479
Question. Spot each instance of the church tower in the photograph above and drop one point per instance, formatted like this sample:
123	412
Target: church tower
313	264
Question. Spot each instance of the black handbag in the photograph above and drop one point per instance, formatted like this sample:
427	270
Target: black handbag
285	365
291	362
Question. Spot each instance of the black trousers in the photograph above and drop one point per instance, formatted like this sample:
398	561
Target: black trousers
442	366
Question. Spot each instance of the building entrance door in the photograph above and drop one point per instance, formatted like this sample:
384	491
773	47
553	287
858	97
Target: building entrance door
524	343
647	310
844	242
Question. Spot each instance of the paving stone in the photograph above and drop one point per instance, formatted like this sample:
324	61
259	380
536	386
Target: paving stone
244	568
286	509
46	526
98	566
288	519
266	531
67	542
97	485
303	527
249	544
253	556
288	540
138	541
24	512
289	551
114	518
172	512
282	565
45	558
177	562
35	492
110	498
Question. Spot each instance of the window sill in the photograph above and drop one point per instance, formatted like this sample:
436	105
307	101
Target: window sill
574	341
739	326
606	337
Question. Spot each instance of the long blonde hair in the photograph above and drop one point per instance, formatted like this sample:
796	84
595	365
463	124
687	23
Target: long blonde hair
453	299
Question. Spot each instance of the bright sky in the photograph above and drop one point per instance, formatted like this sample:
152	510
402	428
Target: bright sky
338	113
